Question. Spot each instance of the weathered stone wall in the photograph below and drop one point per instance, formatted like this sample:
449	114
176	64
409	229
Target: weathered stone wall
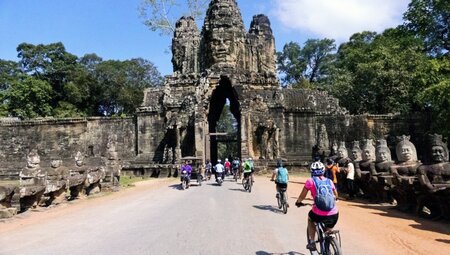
63	137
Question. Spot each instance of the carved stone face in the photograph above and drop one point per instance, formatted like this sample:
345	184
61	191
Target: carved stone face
33	160
406	151
79	159
356	154
368	155
383	155
342	153
222	47
55	163
438	154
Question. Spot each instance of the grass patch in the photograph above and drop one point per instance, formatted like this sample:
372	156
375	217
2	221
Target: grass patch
129	181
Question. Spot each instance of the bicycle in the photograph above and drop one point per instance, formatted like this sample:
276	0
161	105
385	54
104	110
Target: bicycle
282	200
247	183
329	241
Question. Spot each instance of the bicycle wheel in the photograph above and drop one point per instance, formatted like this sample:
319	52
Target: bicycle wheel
249	184
284	202
279	200
183	185
333	246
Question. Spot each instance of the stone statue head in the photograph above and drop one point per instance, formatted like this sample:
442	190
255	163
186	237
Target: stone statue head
383	153
79	159
55	161
33	159
356	151
406	151
342	151
438	149
368	150
224	32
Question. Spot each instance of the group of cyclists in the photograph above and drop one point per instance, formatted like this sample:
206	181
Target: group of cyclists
323	210
234	167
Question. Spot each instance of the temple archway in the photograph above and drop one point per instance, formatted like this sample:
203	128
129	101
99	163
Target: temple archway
223	92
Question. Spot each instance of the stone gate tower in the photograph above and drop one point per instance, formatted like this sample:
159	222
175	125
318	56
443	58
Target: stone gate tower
224	61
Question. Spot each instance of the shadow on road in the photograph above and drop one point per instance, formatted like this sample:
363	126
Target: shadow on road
438	226
279	253
443	240
242	190
268	208
178	186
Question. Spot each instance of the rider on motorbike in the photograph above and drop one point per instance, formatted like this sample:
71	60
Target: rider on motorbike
186	167
220	169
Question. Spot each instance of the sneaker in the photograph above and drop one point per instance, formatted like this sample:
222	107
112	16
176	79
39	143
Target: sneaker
311	246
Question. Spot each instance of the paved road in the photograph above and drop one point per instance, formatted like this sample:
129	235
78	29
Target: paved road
205	219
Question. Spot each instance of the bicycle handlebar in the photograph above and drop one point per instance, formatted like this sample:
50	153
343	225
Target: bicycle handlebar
302	204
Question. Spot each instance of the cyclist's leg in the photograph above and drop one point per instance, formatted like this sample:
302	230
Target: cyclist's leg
312	218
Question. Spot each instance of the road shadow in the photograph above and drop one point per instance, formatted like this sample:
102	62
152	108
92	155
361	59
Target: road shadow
242	190
270	208
279	253
178	186
214	184
443	240
387	210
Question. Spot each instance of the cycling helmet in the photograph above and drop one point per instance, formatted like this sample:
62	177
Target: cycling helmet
279	163
317	169
218	161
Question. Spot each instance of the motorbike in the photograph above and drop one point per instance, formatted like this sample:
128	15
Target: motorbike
184	180
219	179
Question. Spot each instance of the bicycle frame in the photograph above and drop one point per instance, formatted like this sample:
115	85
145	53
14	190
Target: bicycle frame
326	240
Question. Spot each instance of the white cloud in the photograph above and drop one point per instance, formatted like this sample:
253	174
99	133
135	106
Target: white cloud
339	19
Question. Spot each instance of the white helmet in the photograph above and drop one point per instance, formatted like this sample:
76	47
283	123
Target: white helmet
317	168
218	161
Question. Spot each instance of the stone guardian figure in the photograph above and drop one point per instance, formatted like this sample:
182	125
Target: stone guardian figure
434	179
404	174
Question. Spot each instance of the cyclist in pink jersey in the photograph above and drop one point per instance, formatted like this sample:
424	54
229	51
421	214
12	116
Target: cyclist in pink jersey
329	218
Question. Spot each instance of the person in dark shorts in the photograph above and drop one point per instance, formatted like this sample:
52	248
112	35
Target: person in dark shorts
316	215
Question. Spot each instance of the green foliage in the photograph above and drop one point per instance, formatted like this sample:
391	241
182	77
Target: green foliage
304	67
380	73
48	81
430	20
123	84
227	124
436	98
29	98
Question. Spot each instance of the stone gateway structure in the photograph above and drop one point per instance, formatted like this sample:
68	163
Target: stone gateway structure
225	62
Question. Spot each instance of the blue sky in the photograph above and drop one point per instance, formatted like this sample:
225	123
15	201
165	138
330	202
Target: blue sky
113	29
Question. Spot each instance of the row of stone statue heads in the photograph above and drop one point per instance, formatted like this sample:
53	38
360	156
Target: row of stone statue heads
413	185
42	186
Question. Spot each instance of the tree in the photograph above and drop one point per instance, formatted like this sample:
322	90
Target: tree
436	98
430	20
122	85
305	66
380	73
228	124
50	63
158	14
29	98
